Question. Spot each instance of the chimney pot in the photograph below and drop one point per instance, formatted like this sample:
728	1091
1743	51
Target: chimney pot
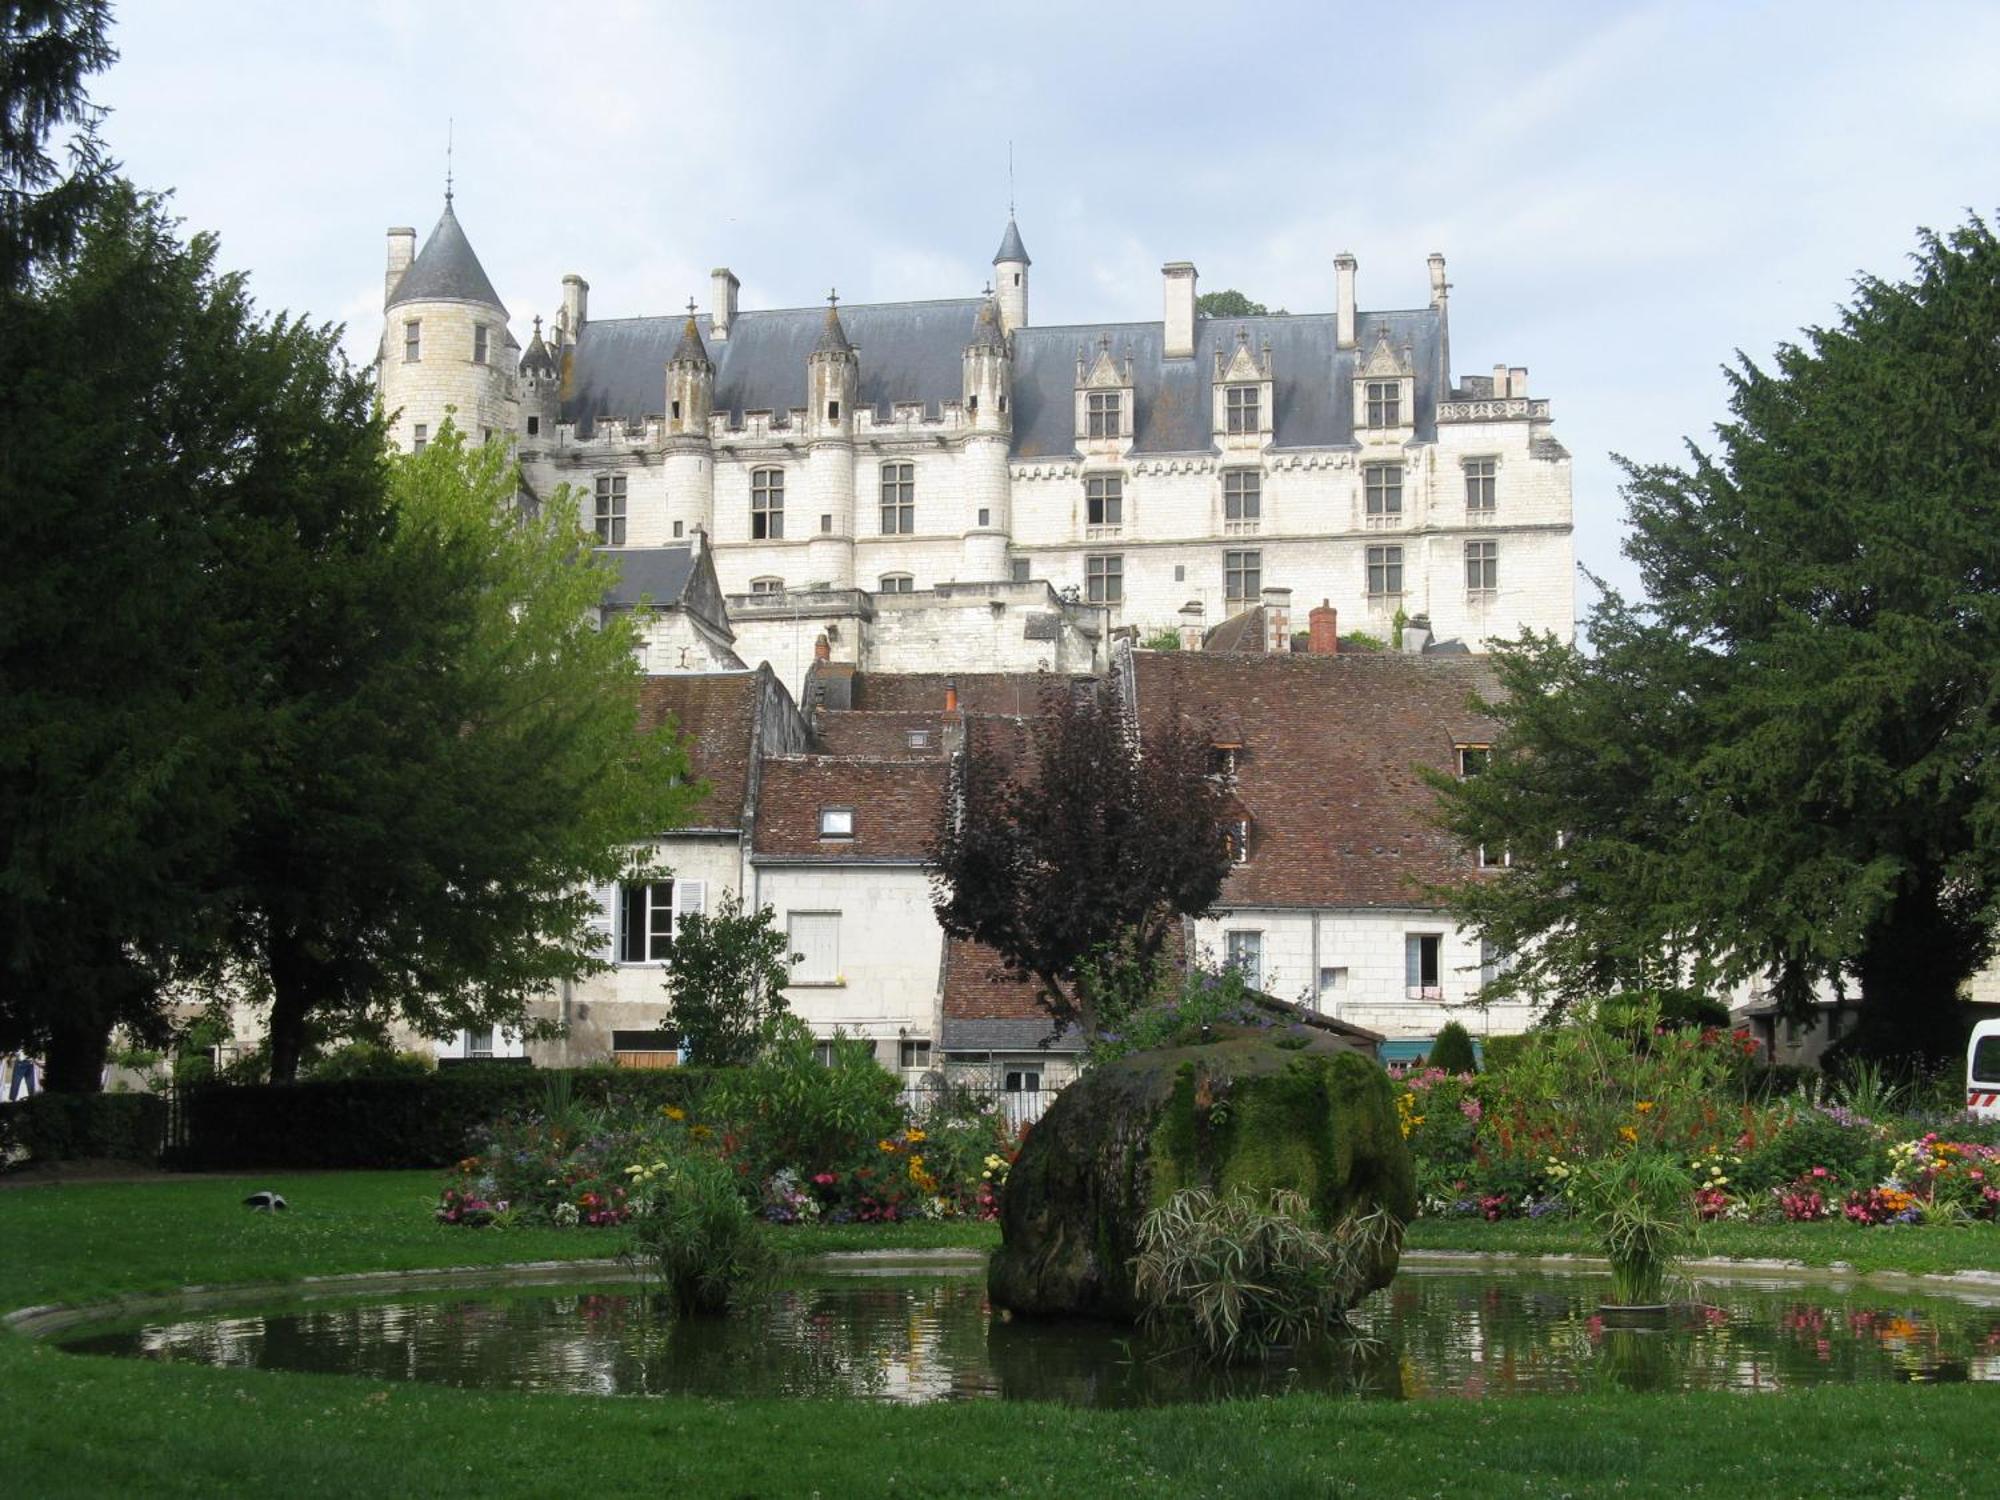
1191	631
1277	620
1178	278
822	648
1323	624
1517	381
951	696
1344	266
576	304
1439	286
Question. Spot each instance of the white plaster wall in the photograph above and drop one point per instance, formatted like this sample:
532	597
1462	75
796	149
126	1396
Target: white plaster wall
890	946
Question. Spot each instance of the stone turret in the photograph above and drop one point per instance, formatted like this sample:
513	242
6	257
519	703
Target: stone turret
988	396
833	382
444	342
689	454
541	390
1010	278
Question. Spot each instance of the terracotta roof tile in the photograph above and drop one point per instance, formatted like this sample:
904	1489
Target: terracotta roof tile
895	804
880	736
1328	769
716	713
978	692
978	988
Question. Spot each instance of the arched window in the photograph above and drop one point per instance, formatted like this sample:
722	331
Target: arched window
767	585
898	583
767	505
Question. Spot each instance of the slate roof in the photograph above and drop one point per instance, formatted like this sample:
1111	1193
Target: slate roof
538	359
896	806
832	337
446	270
914	351
1328	772
660	574
1011	247
717	713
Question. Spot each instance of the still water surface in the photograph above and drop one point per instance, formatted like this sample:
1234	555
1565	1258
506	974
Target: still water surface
918	1338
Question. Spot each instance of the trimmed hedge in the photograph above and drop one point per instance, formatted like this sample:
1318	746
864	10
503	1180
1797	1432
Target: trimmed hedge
80	1127
394	1122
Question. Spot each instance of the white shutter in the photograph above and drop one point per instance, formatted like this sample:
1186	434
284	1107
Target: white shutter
690	899
604	923
815	938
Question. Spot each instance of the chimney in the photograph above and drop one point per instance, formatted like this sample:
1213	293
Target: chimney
402	250
822	648
1439	287
1499	382
1178	277
951	695
1191	631
576	304
1343	285
1416	634
1324	624
1277	620
722	289
1517	381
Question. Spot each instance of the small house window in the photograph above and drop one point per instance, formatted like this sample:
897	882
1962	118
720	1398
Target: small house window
1104	579
1385	403
815	939
1242	576
913	1056
1480	480
534	426
1104	410
918	739
767	505
1242	499
1244	952
767	585
1104	500
674	407
1472	760
420	437
1237	836
413	341
1017	569
479	337
611	510
899	499
1420	965
898	583
836	822
1482	567
985	516
1242	404
648	917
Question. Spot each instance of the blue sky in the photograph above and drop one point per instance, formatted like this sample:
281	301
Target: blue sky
1624	195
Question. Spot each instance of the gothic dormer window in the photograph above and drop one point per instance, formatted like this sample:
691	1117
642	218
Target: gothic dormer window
1243	393
1104	397
1385	388
1105	411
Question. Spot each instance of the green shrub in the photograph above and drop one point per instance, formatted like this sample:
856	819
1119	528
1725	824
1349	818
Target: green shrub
80	1127
792	1110
1505	1051
371	1060
1243	1274
431	1121
1452	1051
1809	1137
1641	1204
700	1237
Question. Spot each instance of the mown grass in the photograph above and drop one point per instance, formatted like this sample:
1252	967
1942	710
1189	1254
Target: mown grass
1918	1249
79	1426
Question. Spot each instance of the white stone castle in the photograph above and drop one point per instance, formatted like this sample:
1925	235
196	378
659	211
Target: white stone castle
1069	479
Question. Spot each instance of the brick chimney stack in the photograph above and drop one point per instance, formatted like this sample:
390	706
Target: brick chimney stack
951	696
822	648
1324	624
1191	629
1277	620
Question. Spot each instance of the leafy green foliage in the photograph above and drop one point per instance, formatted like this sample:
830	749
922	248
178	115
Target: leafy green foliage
1641	1204
50	1127
701	1238
726	982
1093	854
1243	1274
1452	1051
1166	638
371	1060
792	1108
1785	761
1228	303
47	49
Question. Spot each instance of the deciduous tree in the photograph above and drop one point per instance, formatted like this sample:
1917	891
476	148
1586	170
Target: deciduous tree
726	982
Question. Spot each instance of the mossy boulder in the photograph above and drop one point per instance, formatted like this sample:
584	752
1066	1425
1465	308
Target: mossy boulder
1249	1108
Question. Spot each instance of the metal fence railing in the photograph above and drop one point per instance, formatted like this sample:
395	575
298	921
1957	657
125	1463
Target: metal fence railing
1019	1107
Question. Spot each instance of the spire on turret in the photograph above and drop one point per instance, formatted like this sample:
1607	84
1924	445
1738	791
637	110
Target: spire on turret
832	336
1011	249
538	360
690	350
446	270
986	332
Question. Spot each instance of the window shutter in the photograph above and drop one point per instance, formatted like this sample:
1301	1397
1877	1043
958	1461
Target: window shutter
1413	963
603	922
690	898
816	939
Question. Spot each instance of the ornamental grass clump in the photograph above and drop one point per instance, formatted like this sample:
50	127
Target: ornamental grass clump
1641	1204
700	1236
1242	1274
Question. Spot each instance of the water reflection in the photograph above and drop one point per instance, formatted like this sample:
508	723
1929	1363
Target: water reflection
935	1338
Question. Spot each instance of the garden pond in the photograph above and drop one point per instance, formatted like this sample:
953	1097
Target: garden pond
909	1335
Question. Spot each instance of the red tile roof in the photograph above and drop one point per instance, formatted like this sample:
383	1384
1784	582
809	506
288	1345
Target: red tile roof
1328	769
716	713
978	692
977	986
896	807
878	736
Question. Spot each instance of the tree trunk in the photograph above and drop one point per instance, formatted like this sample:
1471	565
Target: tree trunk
1917	958
78	1048
297	987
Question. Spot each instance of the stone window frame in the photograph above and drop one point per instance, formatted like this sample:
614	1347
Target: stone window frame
1482	485
1482	569
1104	577
413	341
420	437
1243	409
766	586
481	343
1243	575
1243	951
1383	403
608	511
897	583
1242	500
1104	414
1106	492
1423	954
899	498
1384	571
767	504
1382	491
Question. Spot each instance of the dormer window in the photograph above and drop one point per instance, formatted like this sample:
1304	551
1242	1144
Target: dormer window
1222	762
1385	403
836	822
1243	409
1472	760
1104	413
918	739
1237	836
479	337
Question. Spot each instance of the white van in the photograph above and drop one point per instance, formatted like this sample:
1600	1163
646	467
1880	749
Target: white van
1982	1071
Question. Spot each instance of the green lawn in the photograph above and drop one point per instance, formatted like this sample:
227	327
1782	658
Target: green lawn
78	1426
1898	1247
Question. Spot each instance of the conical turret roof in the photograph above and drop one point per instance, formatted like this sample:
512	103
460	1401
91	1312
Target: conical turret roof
538	360
832	336
1011	247
690	350
446	270
986	332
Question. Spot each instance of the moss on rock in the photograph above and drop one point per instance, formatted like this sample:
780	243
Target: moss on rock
1249	1108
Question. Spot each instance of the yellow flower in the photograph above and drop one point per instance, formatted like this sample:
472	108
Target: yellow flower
1627	1133
1644	1106
888	1146
674	1112
913	1135
700	1132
